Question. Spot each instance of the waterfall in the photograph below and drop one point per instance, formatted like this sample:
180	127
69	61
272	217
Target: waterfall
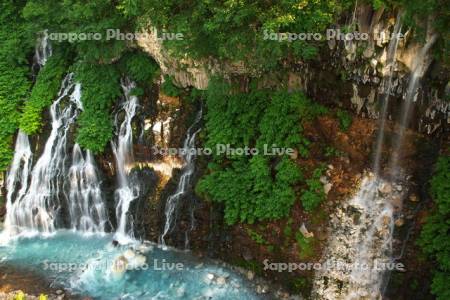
123	152
43	49
419	67
18	177
39	208
188	154
362	230
387	87
20	170
360	247
86	205
23	156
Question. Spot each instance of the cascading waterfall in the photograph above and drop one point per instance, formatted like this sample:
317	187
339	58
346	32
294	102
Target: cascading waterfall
387	86
20	170
123	152
18	177
43	50
360	247
86	205
185	179
365	244
40	207
420	65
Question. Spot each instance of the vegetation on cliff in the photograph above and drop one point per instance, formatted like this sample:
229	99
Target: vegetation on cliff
42	94
15	44
434	239
228	31
256	186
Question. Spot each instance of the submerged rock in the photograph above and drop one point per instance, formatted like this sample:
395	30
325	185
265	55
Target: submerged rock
119	267
250	275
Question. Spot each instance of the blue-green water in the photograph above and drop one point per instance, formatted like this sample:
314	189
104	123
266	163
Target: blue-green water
84	265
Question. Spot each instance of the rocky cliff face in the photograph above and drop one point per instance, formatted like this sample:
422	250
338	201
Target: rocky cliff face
186	72
348	73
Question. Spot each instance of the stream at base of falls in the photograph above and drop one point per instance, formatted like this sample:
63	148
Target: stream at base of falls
91	265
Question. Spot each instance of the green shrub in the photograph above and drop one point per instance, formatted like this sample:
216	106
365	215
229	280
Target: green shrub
139	67
168	88
255	236
43	92
434	236
330	151
258	187
15	47
81	17
239	31
100	89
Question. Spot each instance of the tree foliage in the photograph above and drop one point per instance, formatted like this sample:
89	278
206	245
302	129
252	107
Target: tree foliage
14	81
139	67
434	237
236	30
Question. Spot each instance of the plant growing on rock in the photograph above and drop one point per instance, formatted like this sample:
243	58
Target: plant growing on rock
254	187
434	237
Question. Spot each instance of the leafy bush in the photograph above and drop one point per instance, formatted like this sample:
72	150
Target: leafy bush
139	67
14	81
255	236
258	187
434	236
330	151
77	16
100	88
168	88
45	89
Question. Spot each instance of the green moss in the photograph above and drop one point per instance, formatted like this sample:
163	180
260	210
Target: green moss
345	119
314	194
305	246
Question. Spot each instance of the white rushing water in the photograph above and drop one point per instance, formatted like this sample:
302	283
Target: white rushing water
126	192
362	229
185	179
43	49
18	178
39	208
86	204
19	172
420	65
360	246
386	86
